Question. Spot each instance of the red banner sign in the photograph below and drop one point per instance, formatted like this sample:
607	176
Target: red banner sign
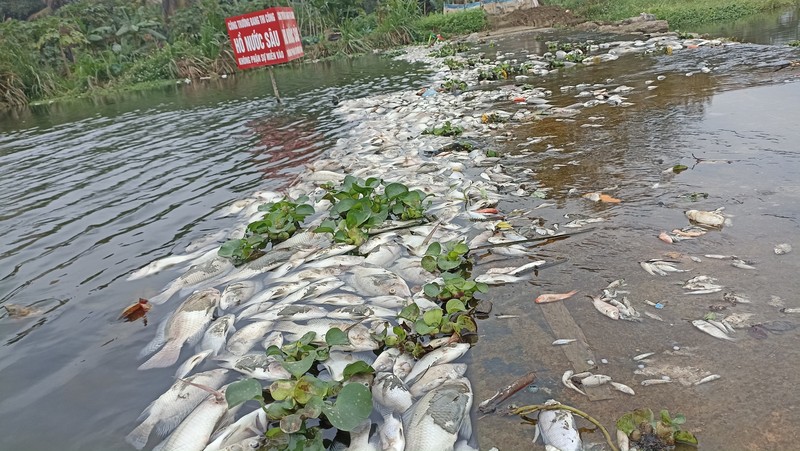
264	38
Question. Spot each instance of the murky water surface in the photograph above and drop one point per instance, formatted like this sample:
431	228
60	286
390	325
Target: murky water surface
92	191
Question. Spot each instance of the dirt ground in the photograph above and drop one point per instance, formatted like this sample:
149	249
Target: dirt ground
540	17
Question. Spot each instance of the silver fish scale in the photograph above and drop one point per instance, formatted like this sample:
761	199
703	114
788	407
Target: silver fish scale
448	404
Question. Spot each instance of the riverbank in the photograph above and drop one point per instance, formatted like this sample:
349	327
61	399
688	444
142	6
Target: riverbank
88	47
679	13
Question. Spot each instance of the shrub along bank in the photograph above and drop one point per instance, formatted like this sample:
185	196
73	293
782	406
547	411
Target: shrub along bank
100	44
679	13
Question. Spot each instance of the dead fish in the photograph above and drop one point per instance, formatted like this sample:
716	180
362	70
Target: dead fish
498	279
651	269
734	299
436	376
445	354
188	365
259	366
790	310
782	249
710	329
161	264
710	378
622	387
558	429
566	379
604	307
707	218
664	236
654	316
169	409
563	341
553	297
595	380
216	334
741	264
238	292
643	356
193	276
185	325
719	256
648	382
195	431
376	282
246	337
18	311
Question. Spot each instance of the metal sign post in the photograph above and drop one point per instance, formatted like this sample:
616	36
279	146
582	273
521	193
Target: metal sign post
265	38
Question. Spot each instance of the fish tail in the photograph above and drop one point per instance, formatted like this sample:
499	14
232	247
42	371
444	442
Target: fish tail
138	437
164	296
167	356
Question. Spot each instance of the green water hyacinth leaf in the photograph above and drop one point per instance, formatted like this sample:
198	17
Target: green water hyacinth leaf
409	312
455	305
428	263
282	389
291	423
352	406
336	336
461	248
423	328
279	409
678	168
309	387
434	249
446	264
393	190
685	437
433	317
679	419
431	290
243	390
359	367
301	366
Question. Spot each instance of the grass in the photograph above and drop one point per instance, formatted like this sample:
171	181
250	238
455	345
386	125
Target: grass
679	13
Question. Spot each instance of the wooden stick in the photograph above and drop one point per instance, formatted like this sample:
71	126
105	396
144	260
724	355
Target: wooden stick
490	405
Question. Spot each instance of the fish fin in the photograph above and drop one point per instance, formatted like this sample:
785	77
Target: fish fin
164	296
157	341
167	356
535	433
146	412
138	437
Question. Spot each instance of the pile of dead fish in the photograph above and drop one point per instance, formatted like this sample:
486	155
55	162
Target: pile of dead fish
229	315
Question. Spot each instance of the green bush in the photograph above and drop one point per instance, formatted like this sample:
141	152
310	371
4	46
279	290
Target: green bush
463	22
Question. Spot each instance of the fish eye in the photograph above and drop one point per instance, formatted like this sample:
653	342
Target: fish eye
392	291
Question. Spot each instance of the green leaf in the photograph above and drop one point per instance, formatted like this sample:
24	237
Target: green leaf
400	333
282	389
665	417
424	329
461	248
678	168
433	317
434	249
429	263
243	390
291	423
309	387
409	312
431	290
274	350
230	248
302	366
445	264
482	287
358	367
327	226
465	322
307	338
304	210
626	424
336	336
685	437
679	419
393	190
455	305
356	217
352	406
342	206
279	409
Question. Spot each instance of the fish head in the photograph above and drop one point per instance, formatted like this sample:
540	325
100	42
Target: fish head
391	435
